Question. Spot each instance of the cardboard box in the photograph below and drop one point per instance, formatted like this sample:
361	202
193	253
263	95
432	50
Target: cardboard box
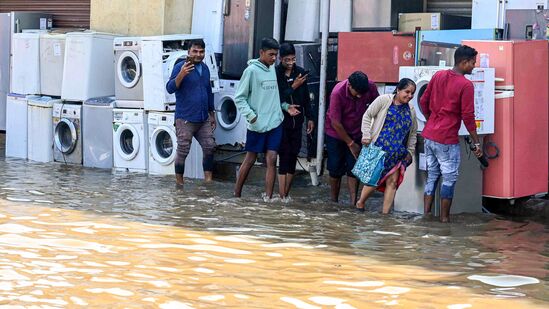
409	22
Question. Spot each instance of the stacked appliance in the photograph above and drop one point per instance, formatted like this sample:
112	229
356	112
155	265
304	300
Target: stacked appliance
130	140
468	191
67	133
97	132
40	142
530	24
381	15
231	125
11	23
25	63
16	126
52	60
208	22
519	146
491	13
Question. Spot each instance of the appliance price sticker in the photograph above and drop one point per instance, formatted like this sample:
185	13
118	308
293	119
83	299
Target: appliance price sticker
57	49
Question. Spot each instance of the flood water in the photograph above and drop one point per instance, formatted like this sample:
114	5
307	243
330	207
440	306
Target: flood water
71	236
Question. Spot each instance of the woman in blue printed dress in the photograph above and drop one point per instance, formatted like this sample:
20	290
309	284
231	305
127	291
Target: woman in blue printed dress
390	123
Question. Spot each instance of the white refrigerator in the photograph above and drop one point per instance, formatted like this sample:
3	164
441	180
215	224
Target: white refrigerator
491	13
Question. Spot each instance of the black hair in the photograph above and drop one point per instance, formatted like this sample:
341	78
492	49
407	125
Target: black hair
287	49
197	42
269	43
403	84
359	82
464	53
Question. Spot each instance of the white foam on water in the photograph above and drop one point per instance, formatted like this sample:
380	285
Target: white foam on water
387	233
24	218
149	299
203	270
212	297
326	301
136	240
212	248
298	303
44	215
78	301
391	303
504	280
32	299
285	245
11	189
59	284
356	284
43	201
2	216
197	258
194	235
392	290
175	305
230	229
37	292
17	199
205	219
459	306
274	254
6	286
11	275
17	229
139	275
241	296
113	291
65	257
36	192
203	241
350	289
344	306
239	261
94	264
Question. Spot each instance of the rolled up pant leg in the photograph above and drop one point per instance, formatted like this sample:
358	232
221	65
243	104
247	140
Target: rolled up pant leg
442	160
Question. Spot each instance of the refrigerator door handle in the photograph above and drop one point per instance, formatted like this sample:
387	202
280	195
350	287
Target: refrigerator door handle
227	8
504	95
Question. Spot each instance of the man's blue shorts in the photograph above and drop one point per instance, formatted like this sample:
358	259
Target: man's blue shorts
262	142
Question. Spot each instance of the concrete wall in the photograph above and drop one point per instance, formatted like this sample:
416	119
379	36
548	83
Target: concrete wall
141	17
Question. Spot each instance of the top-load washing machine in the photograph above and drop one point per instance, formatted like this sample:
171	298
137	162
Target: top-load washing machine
130	140
88	71
128	87
67	133
52	58
484	82
163	148
97	132
25	63
16	126
231	124
40	141
159	56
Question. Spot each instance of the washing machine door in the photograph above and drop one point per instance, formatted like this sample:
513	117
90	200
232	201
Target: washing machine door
421	86
227	114
65	136
163	145
128	69
127	142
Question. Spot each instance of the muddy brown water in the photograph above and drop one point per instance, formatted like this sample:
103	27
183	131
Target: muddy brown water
78	237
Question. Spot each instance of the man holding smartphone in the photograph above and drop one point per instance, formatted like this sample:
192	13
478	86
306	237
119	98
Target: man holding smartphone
293	89
194	109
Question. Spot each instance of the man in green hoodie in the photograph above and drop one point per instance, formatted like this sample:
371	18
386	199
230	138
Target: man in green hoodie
258	101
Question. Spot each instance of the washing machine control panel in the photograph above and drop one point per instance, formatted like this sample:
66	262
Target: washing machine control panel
128	116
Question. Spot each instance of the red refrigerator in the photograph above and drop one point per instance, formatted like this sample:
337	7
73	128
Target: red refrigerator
378	54
520	139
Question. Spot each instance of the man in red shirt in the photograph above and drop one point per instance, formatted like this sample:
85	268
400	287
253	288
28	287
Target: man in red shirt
448	100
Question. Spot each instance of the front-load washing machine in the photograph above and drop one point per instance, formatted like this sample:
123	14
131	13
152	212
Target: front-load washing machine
97	132
16	126
231	125
130	140
67	133
163	148
483	81
128	74
52	58
40	141
88	71
159	55
25	63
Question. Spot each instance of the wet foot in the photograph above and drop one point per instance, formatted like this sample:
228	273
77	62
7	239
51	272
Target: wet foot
360	207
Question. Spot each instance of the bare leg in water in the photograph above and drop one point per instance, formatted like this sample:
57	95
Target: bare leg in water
271	173
390	191
353	189
364	195
445	205
335	185
245	167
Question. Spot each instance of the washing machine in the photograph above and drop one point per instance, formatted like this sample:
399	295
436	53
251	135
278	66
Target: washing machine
39	124
128	74
484	82
159	55
25	63
88	70
16	126
52	58
130	140
231	125
67	133
97	132
163	147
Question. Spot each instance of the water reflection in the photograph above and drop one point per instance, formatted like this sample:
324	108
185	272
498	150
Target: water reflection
73	236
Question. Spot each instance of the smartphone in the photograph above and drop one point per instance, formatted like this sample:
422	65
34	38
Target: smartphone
190	59
306	72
